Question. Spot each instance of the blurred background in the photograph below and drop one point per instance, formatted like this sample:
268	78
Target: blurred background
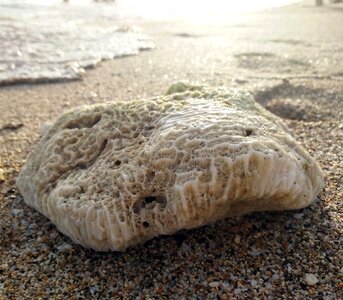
54	40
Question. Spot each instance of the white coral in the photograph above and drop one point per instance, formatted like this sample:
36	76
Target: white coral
115	175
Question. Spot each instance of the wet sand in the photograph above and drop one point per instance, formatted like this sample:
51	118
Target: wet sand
291	60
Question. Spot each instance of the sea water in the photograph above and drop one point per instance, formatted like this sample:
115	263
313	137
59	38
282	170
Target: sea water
53	40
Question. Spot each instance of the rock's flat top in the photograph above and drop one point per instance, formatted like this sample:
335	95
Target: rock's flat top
114	175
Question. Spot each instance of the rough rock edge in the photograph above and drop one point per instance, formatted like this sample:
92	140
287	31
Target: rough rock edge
114	175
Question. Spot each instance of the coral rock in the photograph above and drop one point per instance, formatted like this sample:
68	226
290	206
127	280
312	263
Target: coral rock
114	175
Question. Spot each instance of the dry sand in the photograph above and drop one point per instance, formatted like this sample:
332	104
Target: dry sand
291	60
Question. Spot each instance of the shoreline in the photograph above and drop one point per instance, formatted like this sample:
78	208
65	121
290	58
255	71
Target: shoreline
290	59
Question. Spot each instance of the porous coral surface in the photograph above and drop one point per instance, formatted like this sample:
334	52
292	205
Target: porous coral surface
114	175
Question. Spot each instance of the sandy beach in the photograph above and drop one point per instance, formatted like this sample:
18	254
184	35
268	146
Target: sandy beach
290	58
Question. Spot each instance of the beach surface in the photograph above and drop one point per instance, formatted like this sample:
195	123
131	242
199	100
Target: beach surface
290	58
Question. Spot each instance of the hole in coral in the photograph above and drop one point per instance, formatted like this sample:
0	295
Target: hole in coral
150	175
83	122
72	141
117	162
121	217
82	165
149	199
149	202
137	206
158	199
85	164
146	224
149	128
103	146
248	132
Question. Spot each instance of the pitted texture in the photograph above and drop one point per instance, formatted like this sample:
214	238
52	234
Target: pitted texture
114	175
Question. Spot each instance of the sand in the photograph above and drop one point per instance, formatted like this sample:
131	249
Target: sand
291	60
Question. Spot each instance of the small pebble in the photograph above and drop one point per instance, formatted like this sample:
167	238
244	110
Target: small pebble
214	284
275	277
64	247
253	282
268	285
237	239
93	289
3	267
310	279
237	291
17	212
298	216
225	285
255	252
11	191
